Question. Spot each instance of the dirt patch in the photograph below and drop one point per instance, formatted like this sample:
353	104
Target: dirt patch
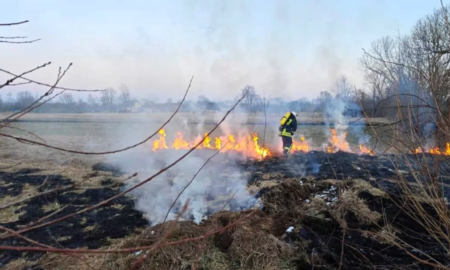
92	229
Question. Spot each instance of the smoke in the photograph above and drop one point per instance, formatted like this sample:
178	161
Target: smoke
212	189
335	117
416	107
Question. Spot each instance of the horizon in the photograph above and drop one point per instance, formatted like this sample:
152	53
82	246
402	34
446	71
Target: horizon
290	49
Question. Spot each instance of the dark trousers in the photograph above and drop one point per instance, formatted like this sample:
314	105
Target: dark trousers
287	144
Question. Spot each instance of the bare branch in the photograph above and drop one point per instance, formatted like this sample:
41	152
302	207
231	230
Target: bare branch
20	139
2	207
135	186
48	85
8	82
19	42
11	24
12	37
192	180
128	250
30	107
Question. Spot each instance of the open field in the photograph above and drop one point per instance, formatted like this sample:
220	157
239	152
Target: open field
301	192
101	132
192	118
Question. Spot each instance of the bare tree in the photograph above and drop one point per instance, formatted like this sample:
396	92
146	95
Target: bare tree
23	99
343	89
108	98
67	99
252	99
125	95
92	103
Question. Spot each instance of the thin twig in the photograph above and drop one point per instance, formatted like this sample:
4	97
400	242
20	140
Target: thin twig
20	42
26	72
192	180
128	250
172	227
17	37
48	85
15	23
106	152
2	207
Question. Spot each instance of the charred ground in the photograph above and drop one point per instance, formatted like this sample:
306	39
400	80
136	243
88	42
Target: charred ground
331	201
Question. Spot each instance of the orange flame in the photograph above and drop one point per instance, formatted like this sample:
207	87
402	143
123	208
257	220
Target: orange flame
179	142
302	146
337	143
366	151
248	145
435	150
161	142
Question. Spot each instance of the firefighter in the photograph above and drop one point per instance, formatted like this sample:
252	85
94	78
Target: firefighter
288	126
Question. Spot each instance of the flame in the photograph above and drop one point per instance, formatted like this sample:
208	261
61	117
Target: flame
179	142
365	150
247	145
161	142
435	150
337	143
302	146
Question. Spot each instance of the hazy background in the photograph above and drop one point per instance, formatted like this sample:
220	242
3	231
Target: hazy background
286	48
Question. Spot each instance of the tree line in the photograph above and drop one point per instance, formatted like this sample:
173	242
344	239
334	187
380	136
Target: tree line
121	100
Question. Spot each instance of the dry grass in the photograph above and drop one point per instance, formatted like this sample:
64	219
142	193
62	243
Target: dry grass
251	245
160	117
350	202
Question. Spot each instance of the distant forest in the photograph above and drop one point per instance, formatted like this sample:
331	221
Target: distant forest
112	100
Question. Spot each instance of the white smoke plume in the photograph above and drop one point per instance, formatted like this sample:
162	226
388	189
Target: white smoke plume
220	180
209	192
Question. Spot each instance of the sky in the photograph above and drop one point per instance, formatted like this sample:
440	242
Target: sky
284	48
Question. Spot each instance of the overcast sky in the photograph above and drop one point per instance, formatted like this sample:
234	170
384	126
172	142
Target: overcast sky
293	48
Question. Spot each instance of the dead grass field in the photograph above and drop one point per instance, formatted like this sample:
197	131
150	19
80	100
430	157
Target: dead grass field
104	132
160	117
100	132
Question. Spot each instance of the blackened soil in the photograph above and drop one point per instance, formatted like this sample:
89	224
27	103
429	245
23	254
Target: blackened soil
16	181
89	230
325	235
108	167
383	170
